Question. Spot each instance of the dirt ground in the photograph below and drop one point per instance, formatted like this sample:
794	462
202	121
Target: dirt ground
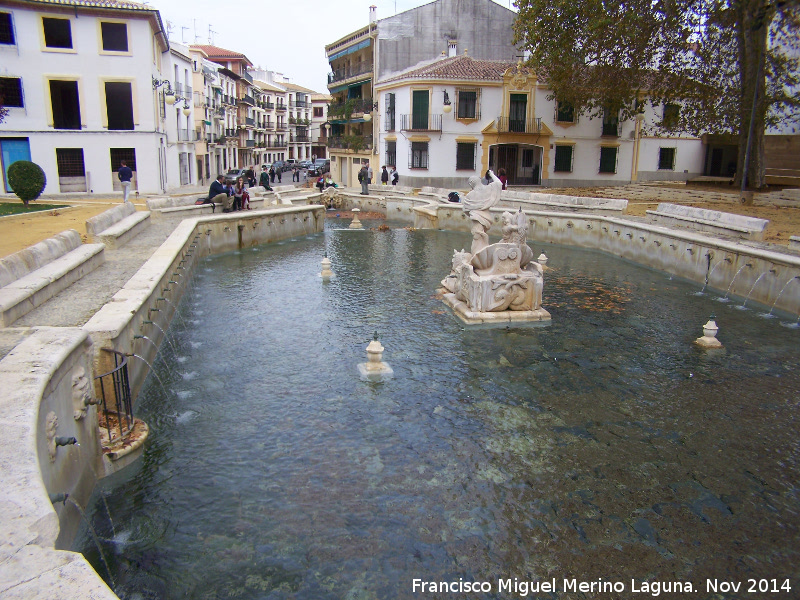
20	231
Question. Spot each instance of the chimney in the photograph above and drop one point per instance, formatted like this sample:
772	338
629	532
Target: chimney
373	14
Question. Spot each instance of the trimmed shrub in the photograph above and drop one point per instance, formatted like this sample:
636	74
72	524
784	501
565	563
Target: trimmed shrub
27	180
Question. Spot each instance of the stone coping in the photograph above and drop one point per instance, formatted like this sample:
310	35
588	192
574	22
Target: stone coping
107	218
711	217
26	261
22	295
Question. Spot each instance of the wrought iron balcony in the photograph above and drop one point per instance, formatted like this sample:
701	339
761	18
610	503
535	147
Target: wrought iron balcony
421	122
250	122
246	99
281	107
514	125
351	142
352	71
250	143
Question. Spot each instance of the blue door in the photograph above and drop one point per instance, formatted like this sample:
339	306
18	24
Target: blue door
12	151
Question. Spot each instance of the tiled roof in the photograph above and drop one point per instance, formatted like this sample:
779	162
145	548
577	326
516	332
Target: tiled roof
458	67
116	4
217	52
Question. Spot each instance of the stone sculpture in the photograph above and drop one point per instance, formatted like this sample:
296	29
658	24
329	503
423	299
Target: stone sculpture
495	282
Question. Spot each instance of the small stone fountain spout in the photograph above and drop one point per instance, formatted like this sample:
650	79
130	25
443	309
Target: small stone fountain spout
66	441
375	369
326	268
709	339
59	497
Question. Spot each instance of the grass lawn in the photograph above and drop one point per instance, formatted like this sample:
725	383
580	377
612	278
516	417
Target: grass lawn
16	208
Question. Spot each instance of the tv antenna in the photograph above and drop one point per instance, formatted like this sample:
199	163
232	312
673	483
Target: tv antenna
211	33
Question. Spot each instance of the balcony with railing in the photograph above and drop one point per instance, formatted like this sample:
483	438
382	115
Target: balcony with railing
186	135
280	107
269	106
350	108
349	72
514	125
301	104
183	90
248	100
249	143
247	77
276	144
250	122
230	132
281	127
212	138
300	138
351	142
421	122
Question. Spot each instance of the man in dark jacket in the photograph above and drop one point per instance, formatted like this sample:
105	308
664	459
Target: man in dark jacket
125	175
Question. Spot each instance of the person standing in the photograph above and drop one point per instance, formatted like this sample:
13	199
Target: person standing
369	174
384	176
394	175
363	179
503	179
295	175
272	174
278	173
125	175
251	177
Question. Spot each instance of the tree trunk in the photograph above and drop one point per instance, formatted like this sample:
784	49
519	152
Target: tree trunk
753	25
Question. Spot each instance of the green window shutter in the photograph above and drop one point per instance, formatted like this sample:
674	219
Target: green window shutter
563	159
608	160
420	103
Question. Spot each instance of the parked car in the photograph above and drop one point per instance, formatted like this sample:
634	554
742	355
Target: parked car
320	167
232	175
306	164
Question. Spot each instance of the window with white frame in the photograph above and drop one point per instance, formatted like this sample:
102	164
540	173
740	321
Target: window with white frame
564	157
666	159
608	159
467	103
565	112
11	92
419	155
7	29
465	156
670	115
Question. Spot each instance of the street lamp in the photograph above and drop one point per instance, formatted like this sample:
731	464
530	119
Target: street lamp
368	115
447	106
169	95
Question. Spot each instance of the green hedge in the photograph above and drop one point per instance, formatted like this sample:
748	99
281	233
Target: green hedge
27	180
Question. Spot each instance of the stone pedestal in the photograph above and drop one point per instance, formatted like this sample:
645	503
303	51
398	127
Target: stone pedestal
375	369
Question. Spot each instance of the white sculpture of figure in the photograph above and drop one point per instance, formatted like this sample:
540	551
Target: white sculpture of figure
477	204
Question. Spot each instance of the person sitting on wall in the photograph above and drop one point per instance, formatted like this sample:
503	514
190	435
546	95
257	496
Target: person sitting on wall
264	180
219	193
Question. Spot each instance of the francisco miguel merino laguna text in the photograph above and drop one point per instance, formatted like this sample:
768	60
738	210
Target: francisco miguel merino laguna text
523	588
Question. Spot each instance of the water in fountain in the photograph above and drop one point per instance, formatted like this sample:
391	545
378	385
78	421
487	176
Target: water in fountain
95	538
153	371
772	308
744	304
166	337
593	444
708	278
725	297
175	311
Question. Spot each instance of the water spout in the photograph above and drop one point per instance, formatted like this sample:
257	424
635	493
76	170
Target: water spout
95	538
152	370
708	277
785	285
66	441
725	297
752	288
59	497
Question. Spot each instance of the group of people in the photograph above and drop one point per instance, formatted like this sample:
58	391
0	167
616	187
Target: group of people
233	197
365	177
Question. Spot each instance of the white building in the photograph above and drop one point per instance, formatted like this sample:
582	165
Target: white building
178	119
445	120
77	77
319	120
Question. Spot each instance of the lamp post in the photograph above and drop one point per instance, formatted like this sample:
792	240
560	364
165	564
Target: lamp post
447	105
169	95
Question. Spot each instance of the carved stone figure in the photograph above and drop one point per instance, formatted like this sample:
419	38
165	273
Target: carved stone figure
477	204
495	282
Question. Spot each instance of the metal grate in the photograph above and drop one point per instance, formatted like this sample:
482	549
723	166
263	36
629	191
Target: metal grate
115	395
120	154
70	162
11	91
465	156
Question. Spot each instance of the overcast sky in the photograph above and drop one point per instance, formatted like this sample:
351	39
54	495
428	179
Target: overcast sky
284	36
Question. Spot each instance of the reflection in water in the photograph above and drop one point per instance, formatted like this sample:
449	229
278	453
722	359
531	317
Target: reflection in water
602	446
